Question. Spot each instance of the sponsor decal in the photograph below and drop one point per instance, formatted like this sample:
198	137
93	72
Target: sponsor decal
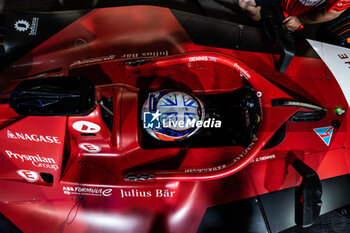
94	191
21	25
30	176
202	170
88	147
34	27
146	54
338	61
255	139
243	72
202	58
93	60
11	135
339	111
345	58
24	25
35	160
86	127
165	193
263	158
32	137
325	133
312	2
259	94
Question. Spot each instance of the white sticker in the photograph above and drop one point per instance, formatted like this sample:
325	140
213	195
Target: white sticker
88	147
33	137
89	191
22	25
86	127
92	60
36	159
338	61
30	176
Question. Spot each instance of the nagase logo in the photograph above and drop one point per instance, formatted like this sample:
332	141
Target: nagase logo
36	160
32	137
246	151
30	176
69	190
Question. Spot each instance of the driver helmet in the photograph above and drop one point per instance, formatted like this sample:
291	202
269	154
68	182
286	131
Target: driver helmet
171	115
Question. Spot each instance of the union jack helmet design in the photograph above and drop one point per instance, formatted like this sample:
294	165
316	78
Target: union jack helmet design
171	115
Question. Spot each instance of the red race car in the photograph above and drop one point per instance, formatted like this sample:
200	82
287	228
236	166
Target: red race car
146	119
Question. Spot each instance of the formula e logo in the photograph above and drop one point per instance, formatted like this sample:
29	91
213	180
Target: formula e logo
95	191
86	127
151	120
22	25
30	176
325	133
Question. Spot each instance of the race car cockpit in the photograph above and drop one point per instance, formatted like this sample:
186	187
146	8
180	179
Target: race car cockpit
182	119
194	103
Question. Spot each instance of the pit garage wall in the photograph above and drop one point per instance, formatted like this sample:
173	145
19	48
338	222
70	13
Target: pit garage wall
272	212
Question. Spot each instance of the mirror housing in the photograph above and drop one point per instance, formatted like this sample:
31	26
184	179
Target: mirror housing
54	96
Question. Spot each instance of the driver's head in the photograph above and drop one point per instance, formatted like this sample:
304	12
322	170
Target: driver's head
171	115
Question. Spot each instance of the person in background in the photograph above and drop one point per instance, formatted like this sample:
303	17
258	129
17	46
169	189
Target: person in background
295	13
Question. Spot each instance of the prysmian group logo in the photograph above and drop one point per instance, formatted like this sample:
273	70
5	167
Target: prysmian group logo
155	120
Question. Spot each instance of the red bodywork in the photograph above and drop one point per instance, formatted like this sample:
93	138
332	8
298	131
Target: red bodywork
89	192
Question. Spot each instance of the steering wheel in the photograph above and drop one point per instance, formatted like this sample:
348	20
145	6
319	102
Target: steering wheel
272	118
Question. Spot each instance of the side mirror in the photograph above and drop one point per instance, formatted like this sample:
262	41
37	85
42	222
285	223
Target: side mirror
54	96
